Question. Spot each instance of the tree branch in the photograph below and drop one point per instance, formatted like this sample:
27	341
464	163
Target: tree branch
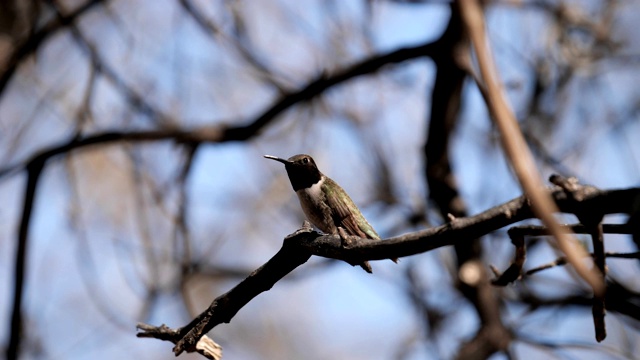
563	261
227	133
34	170
223	308
516	148
452	63
298	248
518	233
214	134
32	44
618	298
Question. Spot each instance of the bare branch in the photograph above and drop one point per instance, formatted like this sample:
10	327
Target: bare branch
516	148
216	134
300	246
563	261
32	44
224	307
618	298
227	133
34	170
446	98
518	233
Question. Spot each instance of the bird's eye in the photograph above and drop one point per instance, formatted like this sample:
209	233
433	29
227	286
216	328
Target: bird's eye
305	160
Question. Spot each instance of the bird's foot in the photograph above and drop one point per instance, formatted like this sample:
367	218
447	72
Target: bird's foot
346	240
306	228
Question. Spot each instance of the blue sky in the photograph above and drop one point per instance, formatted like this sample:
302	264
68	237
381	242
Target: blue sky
86	284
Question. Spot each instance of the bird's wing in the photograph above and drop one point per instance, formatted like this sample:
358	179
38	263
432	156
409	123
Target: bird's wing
344	213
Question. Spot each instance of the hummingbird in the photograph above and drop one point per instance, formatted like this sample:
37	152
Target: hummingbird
325	204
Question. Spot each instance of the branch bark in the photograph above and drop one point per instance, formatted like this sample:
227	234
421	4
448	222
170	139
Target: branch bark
300	246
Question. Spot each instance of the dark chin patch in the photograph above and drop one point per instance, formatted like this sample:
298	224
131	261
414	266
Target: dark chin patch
302	176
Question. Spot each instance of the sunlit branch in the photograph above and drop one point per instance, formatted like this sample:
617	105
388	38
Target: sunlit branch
515	147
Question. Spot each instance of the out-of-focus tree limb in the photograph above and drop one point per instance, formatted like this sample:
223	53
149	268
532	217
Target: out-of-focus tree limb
518	233
214	134
515	147
225	133
618	298
34	171
451	71
33	42
563	260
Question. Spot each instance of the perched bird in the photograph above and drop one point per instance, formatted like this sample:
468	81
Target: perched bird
324	202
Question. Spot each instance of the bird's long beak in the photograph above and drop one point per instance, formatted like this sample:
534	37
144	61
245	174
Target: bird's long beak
277	159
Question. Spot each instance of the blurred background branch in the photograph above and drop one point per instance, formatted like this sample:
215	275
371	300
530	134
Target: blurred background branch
134	189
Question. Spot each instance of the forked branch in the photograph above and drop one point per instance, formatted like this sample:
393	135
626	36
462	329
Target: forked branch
297	248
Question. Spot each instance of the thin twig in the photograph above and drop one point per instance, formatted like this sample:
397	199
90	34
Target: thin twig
37	38
518	233
563	260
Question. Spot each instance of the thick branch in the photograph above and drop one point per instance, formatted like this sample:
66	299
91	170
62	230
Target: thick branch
461	229
225	306
33	176
299	247
445	106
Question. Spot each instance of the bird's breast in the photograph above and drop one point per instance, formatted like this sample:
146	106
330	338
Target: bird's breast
315	208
